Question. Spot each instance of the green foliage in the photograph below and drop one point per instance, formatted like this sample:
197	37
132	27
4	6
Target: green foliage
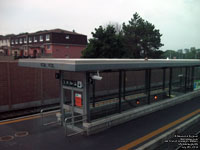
104	44
137	39
191	53
141	38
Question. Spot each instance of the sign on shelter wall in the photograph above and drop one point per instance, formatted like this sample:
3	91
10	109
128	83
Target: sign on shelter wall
78	99
196	84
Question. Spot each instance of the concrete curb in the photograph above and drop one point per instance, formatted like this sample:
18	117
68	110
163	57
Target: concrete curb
161	139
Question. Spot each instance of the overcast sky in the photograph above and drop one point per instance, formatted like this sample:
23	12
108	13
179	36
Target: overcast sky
177	20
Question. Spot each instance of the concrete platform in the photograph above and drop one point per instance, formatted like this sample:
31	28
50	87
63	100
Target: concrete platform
53	138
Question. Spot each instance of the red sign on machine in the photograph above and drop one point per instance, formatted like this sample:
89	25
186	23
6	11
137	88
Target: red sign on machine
78	99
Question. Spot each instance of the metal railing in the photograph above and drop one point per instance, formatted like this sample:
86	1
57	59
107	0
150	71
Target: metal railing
73	126
47	112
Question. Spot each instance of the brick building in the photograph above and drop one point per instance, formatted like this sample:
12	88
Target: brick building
5	44
56	43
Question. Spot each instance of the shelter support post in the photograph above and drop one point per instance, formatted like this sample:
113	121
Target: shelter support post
86	94
192	80
164	72
189	77
170	81
149	85
72	108
146	80
124	84
61	97
93	93
186	77
119	95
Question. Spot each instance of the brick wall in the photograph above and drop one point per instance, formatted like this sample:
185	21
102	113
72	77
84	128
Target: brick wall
20	85
71	51
23	85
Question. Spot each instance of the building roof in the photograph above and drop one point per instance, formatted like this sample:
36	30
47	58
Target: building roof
6	36
41	32
56	31
105	64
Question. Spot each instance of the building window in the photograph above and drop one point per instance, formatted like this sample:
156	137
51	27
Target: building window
16	41
12	42
35	39
41	38
15	53
20	40
67	37
30	40
25	40
48	47
47	37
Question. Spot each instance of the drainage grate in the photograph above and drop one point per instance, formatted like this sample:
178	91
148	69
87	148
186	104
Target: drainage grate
21	134
6	138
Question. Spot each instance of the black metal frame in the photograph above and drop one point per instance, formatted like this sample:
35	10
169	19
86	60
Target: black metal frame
186	78
124	84
120	86
93	93
149	85
192	80
170	81
87	94
164	73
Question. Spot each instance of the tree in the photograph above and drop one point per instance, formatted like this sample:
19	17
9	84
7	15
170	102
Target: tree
198	54
117	26
137	39
170	54
106	43
191	53
180	54
141	39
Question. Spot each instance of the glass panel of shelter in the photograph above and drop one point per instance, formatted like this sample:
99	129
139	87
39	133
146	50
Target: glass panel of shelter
183	80
104	98
196	79
159	87
137	88
122	90
72	94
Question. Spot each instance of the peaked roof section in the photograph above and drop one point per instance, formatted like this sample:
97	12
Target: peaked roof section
6	36
57	31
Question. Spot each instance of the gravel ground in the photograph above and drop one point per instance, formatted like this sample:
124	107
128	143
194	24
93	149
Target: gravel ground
24	112
173	143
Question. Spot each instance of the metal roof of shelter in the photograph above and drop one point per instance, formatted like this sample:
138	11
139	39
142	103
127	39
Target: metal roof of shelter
105	64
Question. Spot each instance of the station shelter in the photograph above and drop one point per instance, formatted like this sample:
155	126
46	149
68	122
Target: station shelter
96	92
